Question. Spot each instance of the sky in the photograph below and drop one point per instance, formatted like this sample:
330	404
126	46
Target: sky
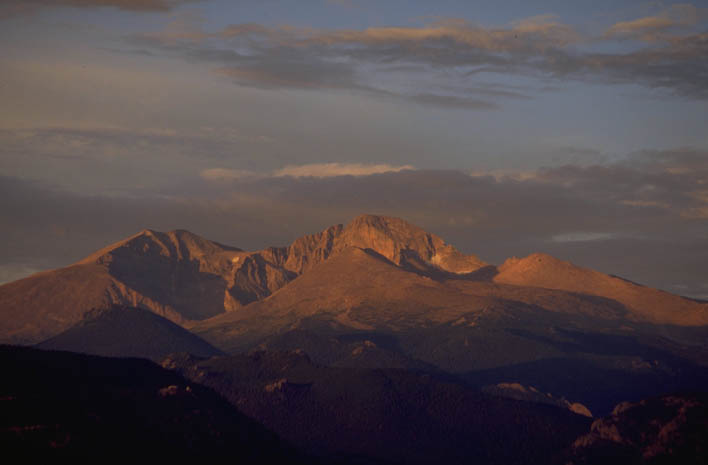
506	127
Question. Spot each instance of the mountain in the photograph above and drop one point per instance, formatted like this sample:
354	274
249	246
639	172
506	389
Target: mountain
128	332
360	309
383	416
382	293
186	278
668	429
60	405
645	304
176	275
399	242
376	326
359	289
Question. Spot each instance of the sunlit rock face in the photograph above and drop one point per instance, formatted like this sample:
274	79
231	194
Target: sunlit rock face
645	304
417	277
394	239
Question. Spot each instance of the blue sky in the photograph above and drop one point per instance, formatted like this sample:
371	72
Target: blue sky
227	105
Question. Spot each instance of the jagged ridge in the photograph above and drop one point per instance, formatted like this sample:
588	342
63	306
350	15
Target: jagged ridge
187	279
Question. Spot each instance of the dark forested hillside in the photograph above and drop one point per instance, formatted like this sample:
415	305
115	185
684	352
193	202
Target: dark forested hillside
61	405
390	415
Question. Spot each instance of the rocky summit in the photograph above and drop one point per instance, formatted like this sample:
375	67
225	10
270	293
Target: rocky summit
188	279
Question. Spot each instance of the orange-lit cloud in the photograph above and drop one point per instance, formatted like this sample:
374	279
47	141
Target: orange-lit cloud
537	33
654	28
367	60
327	170
311	170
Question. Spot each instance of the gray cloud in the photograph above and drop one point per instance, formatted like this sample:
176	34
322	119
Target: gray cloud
125	158
9	8
655	28
677	65
258	56
360	60
644	218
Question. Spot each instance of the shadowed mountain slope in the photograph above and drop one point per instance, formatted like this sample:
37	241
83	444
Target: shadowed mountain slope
61	405
128	332
389	416
175	275
670	429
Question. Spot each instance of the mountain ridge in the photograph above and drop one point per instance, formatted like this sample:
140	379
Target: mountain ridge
187	279
546	271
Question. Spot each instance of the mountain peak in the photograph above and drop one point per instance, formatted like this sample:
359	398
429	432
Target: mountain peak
398	241
381	222
387	225
406	244
178	243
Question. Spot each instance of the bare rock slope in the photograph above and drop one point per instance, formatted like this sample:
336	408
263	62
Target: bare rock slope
374	270
646	304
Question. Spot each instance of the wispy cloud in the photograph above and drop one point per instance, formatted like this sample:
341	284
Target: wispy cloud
13	7
449	56
327	170
582	237
311	170
225	174
368	61
538	33
677	17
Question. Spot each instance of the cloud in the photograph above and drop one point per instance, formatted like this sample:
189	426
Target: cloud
312	170
446	57
654	28
645	203
367	61
328	170
22	6
295	74
130	158
538	33
452	101
642	217
265	58
642	27
224	174
582	237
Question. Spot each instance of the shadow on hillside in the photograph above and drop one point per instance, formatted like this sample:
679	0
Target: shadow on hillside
597	387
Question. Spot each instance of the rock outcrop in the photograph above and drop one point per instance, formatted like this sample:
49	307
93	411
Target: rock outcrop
660	430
